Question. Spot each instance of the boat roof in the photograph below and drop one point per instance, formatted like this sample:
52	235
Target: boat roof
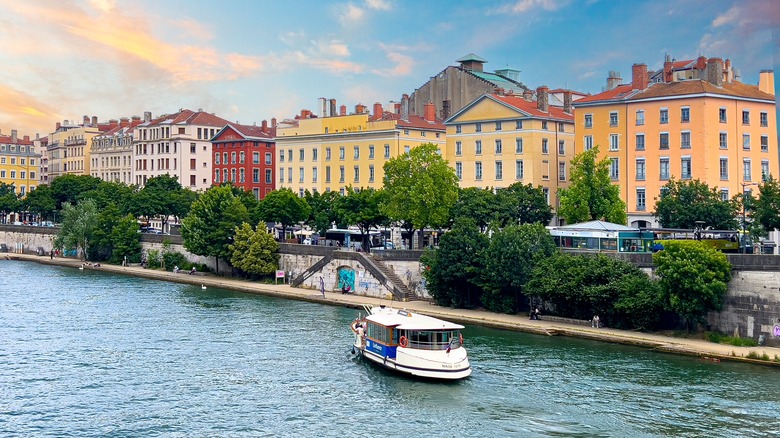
405	320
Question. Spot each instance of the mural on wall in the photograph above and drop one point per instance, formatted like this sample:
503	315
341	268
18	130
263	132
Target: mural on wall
346	278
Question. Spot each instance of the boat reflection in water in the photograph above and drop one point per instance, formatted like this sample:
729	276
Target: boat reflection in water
411	343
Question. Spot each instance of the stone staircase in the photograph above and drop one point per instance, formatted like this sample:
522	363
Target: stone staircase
400	290
313	269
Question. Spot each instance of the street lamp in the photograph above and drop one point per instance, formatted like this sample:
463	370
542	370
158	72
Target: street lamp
742	239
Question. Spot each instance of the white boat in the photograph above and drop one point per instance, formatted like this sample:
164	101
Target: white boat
411	343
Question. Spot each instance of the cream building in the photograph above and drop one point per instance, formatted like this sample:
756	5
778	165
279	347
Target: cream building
111	153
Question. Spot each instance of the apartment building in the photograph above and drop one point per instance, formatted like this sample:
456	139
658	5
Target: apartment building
111	152
68	148
244	156
19	163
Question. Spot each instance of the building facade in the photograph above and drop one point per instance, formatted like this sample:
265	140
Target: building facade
696	123
111	153
498	140
244	156
69	145
19	163
331	153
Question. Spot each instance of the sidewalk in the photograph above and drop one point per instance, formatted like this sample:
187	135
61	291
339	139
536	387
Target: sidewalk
705	350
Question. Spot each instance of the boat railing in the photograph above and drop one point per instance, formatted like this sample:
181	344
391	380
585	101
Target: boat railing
455	343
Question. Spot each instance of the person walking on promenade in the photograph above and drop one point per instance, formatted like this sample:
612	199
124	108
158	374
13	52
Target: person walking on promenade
595	322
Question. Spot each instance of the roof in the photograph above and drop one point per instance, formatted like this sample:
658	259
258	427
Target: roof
617	93
517	103
678	88
471	57
597	226
498	80
7	139
413	121
188	117
405	320
248	132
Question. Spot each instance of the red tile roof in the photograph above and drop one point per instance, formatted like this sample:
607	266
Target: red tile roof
530	108
617	93
7	139
189	117
414	121
678	88
251	131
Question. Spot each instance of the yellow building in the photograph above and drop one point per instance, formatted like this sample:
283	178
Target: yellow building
498	140
331	153
68	150
691	120
19	163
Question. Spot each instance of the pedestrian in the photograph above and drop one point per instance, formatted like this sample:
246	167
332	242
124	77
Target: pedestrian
595	322
322	287
537	313
51	254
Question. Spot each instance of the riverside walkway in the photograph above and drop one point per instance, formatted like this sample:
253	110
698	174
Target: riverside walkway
694	347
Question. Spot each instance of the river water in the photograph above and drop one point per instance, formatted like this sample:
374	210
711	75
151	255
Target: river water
86	353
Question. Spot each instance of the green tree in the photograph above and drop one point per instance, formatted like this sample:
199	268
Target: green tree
126	239
283	207
102	243
522	204
509	259
209	228
322	211
41	202
78	226
9	200
693	278
421	189
111	193
591	194
361	208
71	188
452	271
254	252
684	203
163	196
476	204
766	209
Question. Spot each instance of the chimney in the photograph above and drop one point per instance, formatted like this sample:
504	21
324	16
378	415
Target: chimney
113	123
715	71
567	102
86	121
613	80
332	107
94	121
528	94
57	126
147	116
639	77
378	111
123	122
701	63
668	69
322	107
135	120
264	127
430	112
343	110
360	109
26	138
273	122
542	100
13	136
397	107
766	81
65	123
405	107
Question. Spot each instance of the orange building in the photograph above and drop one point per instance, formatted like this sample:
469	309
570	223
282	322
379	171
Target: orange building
692	120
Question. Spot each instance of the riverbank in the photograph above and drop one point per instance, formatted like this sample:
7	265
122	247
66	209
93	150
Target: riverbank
692	347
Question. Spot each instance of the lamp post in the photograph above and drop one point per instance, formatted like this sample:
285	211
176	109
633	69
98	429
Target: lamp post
742	239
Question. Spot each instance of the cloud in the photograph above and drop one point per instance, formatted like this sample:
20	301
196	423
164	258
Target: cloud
27	112
523	6
330	48
351	14
380	5
727	18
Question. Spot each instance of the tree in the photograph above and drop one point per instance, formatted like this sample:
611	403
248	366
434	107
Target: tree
78	226
522	204
208	229
110	192
283	207
509	259
40	201
9	200
126	239
684	203
102	244
322	211
163	196
476	204
71	188
421	189
693	278
361	208
766	209
254	252
452	271
591	194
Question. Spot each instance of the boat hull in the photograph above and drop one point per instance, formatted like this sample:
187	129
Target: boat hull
418	368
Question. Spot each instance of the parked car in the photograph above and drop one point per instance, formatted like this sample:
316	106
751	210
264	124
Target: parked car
152	231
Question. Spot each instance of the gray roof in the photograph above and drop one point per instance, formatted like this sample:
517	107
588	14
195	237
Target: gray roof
597	225
471	57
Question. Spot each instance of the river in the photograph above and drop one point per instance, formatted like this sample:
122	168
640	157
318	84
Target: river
88	353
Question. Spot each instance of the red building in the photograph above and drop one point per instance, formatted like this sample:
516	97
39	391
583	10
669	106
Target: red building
244	155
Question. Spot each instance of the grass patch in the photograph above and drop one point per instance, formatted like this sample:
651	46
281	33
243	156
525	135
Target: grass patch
719	338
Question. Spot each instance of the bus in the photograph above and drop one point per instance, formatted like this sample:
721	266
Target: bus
349	238
728	241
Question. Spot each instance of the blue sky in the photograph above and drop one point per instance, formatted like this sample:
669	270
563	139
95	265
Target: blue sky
252	60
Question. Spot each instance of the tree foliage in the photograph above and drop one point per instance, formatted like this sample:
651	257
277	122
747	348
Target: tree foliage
112	193
684	203
125	239
476	204
361	208
9	200
766	209
322	211
591	194
452	271
40	201
71	188
254	252
283	207
163	196
78	226
509	259
693	278
421	188
522	204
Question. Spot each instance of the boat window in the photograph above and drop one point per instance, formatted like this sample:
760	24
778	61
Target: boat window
432	340
385	335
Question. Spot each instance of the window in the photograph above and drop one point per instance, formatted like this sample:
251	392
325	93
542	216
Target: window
193	164
232	158
764	143
685	114
640	142
342	153
478	171
356	152
685	168
664	166
745	117
499	147
518	169
685	140
458	129
478	147
546	192
544	125
664	116
268	175
613	118
300	174
640	200
370	152
724	195
764	170
301	155
314	175
315	154
341	174
614	142
664	140
289	174
498	126
518	145
746	142
588	120
746	173
545	148
327	174
499	170
724	168
545	170
588	142
561	147
459	170
225	175
518	124
640	118
371	173
458	148
614	169
640	169
722	115
289	155
763	118
561	171
724	140
327	154
281	174
216	176
387	151
478	127
561	127
357	173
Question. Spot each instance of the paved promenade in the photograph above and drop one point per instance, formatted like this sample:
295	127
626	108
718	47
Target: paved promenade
705	350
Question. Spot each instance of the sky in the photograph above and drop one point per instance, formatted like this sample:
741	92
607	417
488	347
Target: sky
250	60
